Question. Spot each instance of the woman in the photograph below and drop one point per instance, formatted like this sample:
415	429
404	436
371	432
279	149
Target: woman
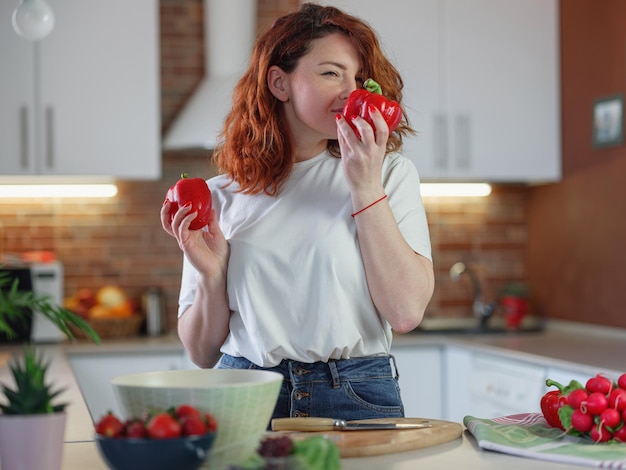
318	245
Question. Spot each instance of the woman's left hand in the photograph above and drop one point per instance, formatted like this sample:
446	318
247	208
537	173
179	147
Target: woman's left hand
363	157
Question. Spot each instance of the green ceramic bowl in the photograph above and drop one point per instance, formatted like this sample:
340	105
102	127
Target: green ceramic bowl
242	402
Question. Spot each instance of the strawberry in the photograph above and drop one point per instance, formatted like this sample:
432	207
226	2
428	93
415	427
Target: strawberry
136	428
193	426
164	426
211	422
185	411
110	426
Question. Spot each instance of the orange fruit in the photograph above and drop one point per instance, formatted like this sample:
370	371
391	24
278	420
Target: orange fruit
100	311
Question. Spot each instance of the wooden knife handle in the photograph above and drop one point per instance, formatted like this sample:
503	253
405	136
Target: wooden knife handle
303	424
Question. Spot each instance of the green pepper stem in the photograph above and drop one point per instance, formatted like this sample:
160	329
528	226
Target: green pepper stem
372	86
550	383
184	174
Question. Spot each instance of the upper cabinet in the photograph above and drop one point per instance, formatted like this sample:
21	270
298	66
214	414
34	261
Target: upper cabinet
481	85
84	100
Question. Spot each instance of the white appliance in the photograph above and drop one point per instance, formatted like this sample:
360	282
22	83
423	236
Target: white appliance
42	279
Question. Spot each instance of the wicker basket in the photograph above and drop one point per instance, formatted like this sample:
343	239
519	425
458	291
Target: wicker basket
113	327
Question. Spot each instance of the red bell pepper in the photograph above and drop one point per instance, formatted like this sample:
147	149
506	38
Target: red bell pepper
371	94
550	404
554	400
192	191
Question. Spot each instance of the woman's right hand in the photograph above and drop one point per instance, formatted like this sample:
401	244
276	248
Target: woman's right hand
206	249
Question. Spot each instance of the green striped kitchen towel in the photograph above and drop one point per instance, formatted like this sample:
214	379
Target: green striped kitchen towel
529	435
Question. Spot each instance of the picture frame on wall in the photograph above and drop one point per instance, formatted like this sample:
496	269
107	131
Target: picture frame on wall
608	121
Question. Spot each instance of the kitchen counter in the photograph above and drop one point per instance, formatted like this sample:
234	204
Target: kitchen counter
560	344
588	348
462	453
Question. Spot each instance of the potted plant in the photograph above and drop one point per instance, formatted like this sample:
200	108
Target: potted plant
514	299
32	425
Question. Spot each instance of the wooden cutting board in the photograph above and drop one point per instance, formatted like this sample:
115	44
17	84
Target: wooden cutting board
368	443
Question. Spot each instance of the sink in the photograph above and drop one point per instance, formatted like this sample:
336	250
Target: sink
471	326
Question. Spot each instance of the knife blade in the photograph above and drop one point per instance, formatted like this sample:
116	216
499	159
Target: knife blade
330	424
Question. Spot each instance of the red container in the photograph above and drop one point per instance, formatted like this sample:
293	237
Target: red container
515	309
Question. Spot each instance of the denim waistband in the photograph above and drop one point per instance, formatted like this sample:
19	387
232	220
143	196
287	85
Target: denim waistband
335	370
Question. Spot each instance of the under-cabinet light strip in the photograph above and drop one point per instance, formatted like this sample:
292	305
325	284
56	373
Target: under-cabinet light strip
24	191
15	191
455	189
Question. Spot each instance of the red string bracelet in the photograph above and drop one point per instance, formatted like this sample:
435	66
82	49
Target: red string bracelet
372	204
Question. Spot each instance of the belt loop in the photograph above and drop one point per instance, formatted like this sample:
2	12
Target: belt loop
332	365
395	365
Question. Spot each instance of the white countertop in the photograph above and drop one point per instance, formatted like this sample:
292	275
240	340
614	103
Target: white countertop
589	348
561	344
459	454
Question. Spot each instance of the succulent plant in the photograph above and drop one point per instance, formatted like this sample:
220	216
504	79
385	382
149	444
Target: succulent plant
32	395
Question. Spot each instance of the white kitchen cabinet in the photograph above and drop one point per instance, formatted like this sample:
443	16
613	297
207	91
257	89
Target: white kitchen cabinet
94	373
420	379
84	100
481	85
489	385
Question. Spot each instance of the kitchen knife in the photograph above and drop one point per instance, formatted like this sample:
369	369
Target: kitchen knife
330	424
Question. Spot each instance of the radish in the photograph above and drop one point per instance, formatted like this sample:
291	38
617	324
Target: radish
620	434
599	384
600	434
610	417
595	404
581	421
621	381
617	399
576	397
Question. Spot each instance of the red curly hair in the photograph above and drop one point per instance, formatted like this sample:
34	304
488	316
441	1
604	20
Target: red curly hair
254	150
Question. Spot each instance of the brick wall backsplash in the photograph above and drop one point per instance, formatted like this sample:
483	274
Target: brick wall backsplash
120	240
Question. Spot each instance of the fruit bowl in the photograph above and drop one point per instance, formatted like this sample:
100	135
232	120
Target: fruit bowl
242	402
121	327
184	453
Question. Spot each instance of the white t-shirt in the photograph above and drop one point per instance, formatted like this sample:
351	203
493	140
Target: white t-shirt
296	282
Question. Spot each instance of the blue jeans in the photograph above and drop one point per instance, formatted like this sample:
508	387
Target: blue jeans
360	388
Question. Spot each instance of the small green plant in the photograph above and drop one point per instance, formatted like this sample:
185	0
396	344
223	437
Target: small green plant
514	289
15	305
31	394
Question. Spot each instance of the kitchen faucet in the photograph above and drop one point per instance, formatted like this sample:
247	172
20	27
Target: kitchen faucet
481	308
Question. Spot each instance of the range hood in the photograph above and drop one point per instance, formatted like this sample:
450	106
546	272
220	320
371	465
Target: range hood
229	32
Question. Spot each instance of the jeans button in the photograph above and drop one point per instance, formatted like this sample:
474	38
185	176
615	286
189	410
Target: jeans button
300	371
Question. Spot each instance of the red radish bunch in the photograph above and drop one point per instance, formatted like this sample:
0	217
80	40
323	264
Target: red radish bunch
596	410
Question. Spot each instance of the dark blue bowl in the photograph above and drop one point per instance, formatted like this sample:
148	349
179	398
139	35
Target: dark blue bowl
184	453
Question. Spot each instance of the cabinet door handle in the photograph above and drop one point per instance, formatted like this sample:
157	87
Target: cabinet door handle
49	137
441	141
462	141
24	150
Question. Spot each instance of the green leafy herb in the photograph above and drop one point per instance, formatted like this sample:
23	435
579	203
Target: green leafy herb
14	303
32	395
